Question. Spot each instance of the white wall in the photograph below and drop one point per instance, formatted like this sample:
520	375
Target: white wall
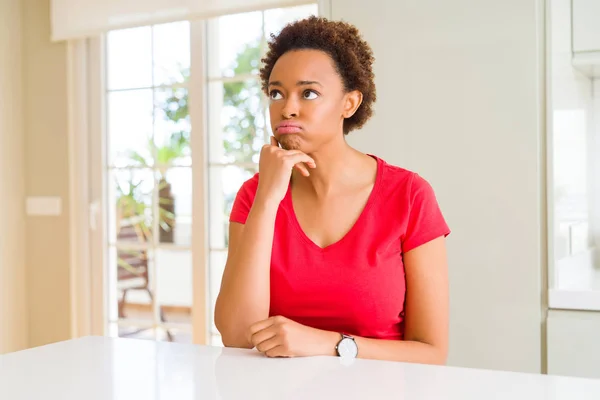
47	174
13	312
459	101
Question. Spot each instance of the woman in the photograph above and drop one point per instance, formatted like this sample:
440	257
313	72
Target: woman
331	251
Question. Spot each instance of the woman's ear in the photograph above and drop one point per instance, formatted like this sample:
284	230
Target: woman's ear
353	100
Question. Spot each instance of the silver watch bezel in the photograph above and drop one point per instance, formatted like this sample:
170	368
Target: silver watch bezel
347	339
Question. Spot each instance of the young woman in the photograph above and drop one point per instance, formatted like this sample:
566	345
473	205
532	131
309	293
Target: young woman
332	251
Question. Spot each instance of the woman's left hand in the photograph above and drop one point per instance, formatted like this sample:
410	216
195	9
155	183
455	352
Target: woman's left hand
281	337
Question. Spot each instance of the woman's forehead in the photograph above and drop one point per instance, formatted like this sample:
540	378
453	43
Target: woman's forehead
303	66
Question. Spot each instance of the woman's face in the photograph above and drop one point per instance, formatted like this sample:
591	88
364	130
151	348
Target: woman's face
308	103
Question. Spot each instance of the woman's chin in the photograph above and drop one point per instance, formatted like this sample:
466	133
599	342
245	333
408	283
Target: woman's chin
290	142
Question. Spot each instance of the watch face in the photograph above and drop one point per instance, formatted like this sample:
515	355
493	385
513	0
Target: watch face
348	348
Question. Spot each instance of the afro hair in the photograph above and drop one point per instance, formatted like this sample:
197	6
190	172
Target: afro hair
352	57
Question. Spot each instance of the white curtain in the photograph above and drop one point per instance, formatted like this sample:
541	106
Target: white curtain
73	19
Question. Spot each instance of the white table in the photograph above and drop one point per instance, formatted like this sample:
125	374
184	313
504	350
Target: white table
103	368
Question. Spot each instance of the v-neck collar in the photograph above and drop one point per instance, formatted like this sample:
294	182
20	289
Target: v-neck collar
355	227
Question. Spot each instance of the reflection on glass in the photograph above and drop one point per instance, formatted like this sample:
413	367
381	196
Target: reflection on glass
570	132
573	202
225	181
239	37
130	128
134	332
175	200
237	125
174	290
171	53
172	127
268	123
176	335
129	58
216	340
276	19
133	297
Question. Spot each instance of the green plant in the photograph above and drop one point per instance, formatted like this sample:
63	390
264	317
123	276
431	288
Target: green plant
242	129
130	202
132	219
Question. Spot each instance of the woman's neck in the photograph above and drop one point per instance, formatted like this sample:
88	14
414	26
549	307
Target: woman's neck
339	166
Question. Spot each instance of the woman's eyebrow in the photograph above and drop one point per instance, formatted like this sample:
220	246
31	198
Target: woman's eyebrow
304	83
299	83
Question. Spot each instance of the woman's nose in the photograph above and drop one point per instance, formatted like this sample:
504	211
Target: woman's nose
290	108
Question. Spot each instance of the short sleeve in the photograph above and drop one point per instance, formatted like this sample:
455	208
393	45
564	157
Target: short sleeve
244	200
425	220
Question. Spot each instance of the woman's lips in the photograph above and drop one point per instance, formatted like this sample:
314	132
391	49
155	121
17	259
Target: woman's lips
288	129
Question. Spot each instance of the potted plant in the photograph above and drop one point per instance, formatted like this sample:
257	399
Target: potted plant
174	148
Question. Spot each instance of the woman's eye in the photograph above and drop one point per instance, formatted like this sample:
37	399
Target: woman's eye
310	94
275	95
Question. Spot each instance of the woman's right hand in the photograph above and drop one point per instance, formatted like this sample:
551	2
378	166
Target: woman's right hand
275	169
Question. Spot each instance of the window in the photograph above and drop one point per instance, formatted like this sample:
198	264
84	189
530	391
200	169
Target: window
149	164
149	180
574	174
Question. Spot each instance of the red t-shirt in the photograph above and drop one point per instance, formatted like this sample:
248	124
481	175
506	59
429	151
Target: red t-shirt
357	285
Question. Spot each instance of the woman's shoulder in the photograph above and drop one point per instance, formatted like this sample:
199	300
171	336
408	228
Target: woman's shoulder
415	202
395	177
403	186
243	200
250	185
395	170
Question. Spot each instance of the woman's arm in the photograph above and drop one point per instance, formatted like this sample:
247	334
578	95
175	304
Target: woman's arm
426	324
244	296
245	292
426	310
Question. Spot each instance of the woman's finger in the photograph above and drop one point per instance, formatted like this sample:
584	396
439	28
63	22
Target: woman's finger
300	157
274	142
302	168
268	344
259	326
261	336
277	351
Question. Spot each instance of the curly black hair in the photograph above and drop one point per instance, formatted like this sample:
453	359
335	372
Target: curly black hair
352	56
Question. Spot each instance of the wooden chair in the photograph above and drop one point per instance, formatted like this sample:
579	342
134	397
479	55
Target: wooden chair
133	274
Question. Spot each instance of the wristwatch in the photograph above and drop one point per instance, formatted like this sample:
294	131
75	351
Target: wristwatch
347	347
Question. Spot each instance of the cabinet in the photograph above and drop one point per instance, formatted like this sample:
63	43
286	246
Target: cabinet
586	26
573	343
586	36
